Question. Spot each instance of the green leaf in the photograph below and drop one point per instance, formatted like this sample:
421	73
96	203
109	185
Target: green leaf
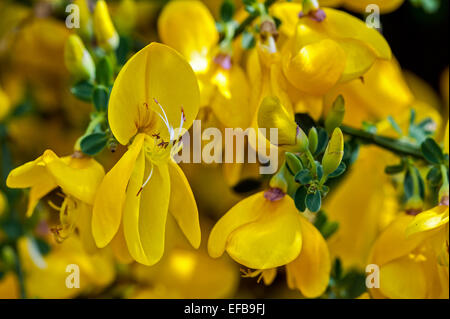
319	170
293	163
329	229
313	138
337	269
248	40
320	220
434	176
92	144
395	125
100	98
322	141
432	151
304	177
394	169
314	202
300	198
339	171
408	185
83	90
227	10
104	72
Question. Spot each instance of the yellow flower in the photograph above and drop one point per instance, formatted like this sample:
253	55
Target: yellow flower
189	27
338	49
154	99
78	179
46	275
265	231
385	6
409	253
105	33
184	272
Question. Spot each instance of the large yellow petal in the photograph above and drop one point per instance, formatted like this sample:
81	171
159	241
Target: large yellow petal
153	214
246	211
183	206
79	177
359	59
339	24
273	240
108	204
310	271
156	72
316	68
37	192
189	27
428	220
131	211
28	174
403	278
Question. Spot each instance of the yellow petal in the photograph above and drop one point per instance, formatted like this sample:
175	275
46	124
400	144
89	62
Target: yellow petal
79	177
316	68
339	24
287	12
108	204
183	206
37	192
393	243
84	222
359	59
28	174
189	27
153	214
246	211
310	271
385	6
428	220
120	248
131	210
403	279
446	141
273	240
156	72
231	101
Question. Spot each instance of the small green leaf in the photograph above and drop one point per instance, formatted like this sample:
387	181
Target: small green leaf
300	198
313	138
100	98
337	269
227	10
339	171
394	169
395	125
303	177
92	144
329	229
314	202
319	170
434	176
248	40
322	141
83	90
104	72
432	151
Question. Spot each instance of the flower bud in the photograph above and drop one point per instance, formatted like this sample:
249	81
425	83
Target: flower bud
126	16
293	163
78	60
85	29
105	33
336	115
334	152
272	114
2	203
313	138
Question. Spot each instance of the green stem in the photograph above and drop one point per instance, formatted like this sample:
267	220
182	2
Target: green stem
444	175
19	272
249	20
312	161
390	144
97	118
415	179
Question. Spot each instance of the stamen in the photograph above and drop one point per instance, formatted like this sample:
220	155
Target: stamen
165	119
145	183
54	206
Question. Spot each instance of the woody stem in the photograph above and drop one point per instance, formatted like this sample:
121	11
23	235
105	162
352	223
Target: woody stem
390	144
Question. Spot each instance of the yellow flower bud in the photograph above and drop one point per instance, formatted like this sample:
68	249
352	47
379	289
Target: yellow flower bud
272	114
105	33
336	115
78	60
85	29
126	16
334	152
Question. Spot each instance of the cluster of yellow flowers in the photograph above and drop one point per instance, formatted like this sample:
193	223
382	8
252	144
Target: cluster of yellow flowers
139	219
